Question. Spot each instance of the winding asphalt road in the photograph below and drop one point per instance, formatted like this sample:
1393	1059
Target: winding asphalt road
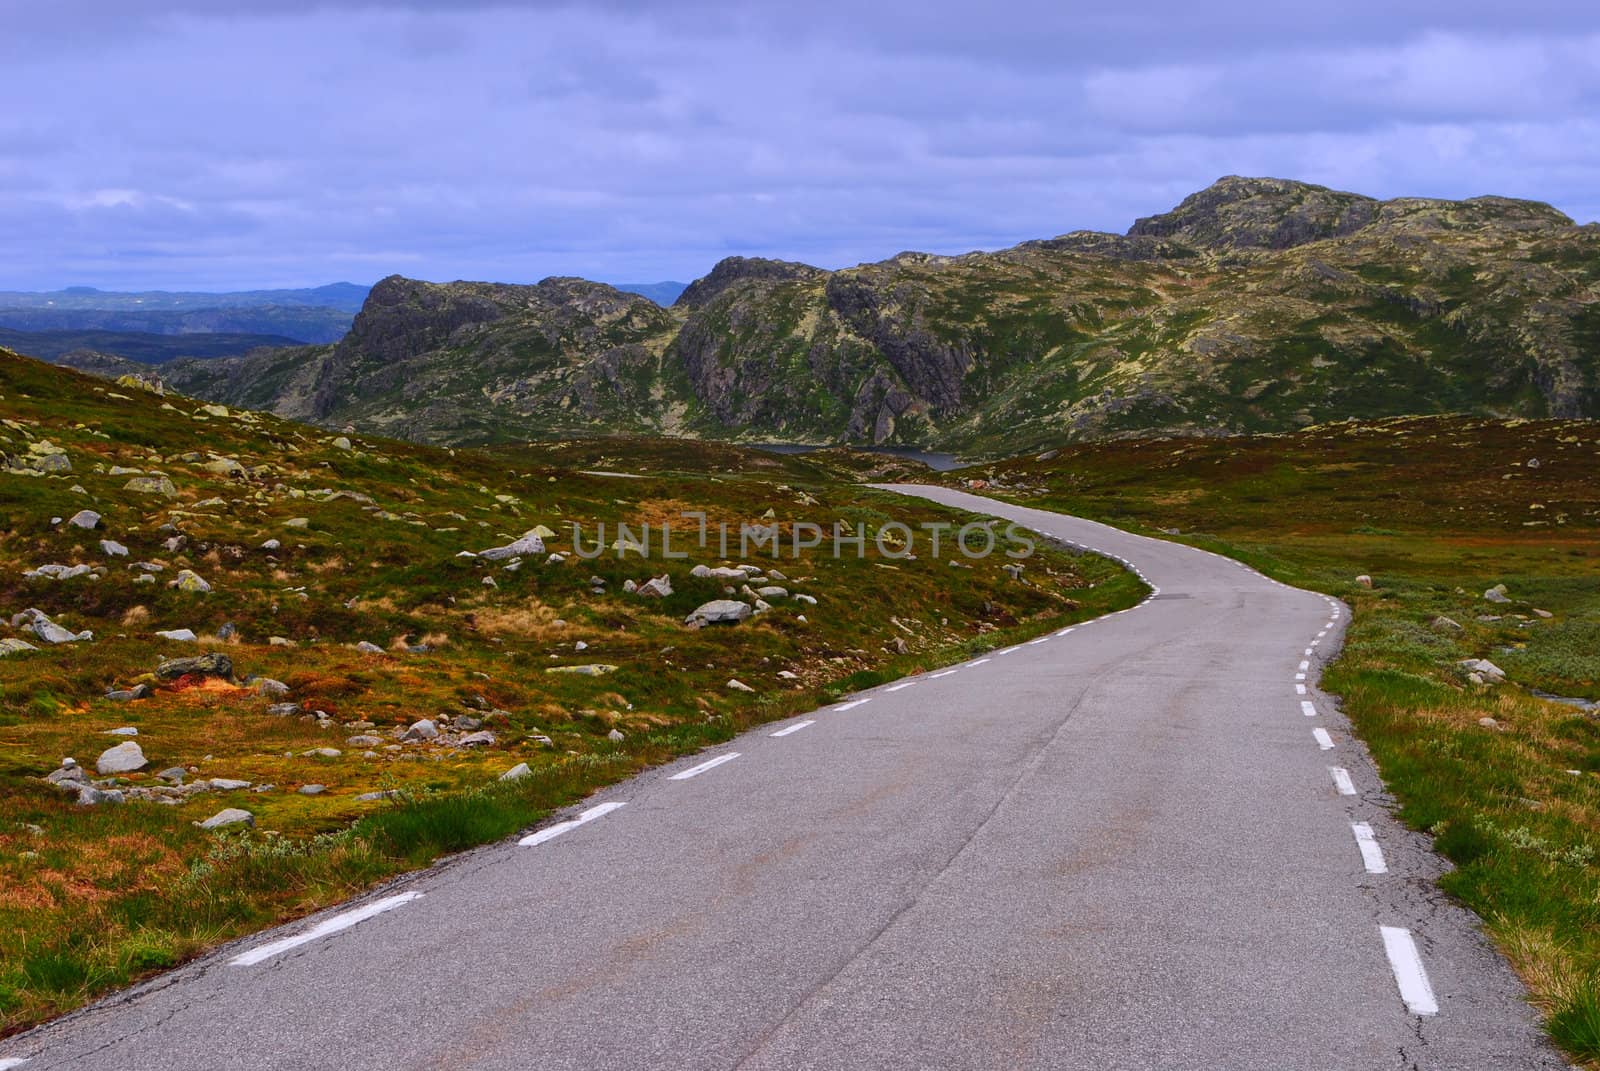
1134	845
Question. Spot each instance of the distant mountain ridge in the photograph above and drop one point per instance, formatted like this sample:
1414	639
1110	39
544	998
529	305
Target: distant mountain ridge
1254	305
313	314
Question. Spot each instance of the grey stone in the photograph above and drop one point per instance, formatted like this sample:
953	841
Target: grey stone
719	611
312	790
151	485
616	736
182	635
85	518
517	772
211	664
227	784
112	549
482	738
268	686
1497	594
736	685
228	816
529	543
421	730
123	758
366	647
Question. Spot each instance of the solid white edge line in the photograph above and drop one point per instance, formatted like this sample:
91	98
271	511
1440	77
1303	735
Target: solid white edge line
322	929
1371	853
12	1061
1341	780
709	764
1308	708
1324	741
853	704
1409	973
796	727
539	836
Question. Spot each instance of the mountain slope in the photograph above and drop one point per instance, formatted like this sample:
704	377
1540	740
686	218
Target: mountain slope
1255	305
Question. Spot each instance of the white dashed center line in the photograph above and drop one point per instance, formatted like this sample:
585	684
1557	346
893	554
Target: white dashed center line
936	676
322	929
853	704
1408	971
1299	689
1341	780
12	1061
1037	642
1308	708
1008	650
901	687
1299	676
1371	854
1305	666
551	832
981	662
709	764
1324	741
796	727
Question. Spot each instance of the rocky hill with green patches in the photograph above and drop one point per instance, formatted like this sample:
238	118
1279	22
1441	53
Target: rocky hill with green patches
1255	305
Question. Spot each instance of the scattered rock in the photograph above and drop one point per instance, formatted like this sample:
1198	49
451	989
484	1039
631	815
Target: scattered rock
312	790
1364	580
182	635
1488	723
112	549
530	543
364	740
616	736
151	485
227	784
228	816
125	730
736	685
1483	668
124	758
421	730
343	443
1545	614
387	794
268	686
483	738
271	544
719	611
211	664
1497	594
13	646
658	587
1446	624
592	669
47	630
173	774
85	518
128	695
366	647
321	753
189	580
517	772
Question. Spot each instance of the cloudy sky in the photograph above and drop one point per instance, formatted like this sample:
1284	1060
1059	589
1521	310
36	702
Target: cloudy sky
211	144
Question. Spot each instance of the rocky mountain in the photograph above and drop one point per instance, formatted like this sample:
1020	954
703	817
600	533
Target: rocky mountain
1255	305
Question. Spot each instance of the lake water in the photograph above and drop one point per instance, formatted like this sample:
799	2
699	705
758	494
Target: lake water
936	461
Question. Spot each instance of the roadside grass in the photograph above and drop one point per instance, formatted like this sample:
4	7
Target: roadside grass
1436	511
92	898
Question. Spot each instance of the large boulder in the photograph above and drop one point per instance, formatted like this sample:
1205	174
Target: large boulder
530	543
47	630
718	612
124	758
151	485
211	664
85	518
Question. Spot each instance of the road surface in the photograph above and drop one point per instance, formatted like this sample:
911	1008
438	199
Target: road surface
1132	845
